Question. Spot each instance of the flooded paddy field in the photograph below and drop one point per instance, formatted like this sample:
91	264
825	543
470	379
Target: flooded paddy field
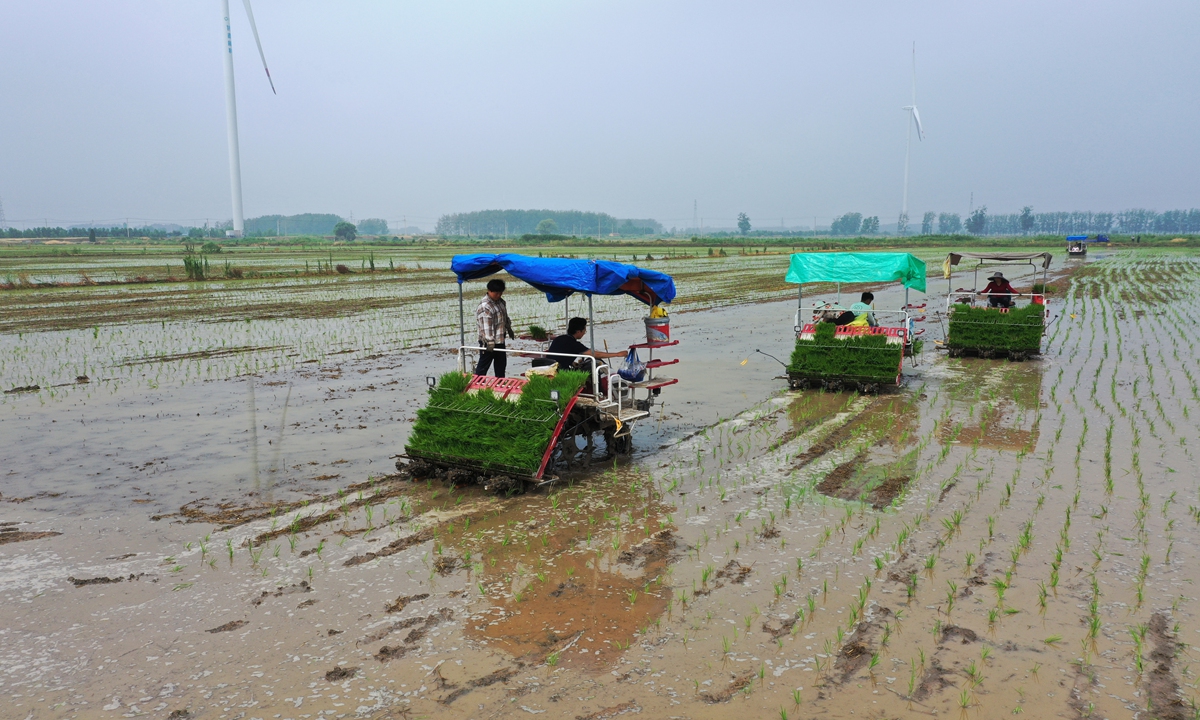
217	535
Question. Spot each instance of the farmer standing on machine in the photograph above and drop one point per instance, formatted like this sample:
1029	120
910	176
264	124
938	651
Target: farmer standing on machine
492	317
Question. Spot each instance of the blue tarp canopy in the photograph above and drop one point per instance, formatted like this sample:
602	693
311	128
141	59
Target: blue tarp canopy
560	277
1076	237
848	267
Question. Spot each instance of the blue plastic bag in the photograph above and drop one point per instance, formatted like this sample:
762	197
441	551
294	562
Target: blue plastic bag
634	369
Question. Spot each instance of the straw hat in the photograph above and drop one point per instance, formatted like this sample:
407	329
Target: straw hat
996	276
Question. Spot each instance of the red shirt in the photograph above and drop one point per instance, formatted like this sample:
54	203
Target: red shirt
999	287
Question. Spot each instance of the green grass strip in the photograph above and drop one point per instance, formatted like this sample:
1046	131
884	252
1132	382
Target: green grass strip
978	328
491	432
862	358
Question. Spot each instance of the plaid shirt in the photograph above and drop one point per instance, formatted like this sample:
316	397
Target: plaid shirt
492	316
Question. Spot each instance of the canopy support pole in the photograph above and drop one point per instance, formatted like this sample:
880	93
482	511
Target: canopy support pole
799	304
839	299
566	314
591	323
594	359
462	333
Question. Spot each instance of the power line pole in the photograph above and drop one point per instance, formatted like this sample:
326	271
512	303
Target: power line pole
695	215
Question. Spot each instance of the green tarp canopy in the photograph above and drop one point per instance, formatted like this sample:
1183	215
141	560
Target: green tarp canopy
848	267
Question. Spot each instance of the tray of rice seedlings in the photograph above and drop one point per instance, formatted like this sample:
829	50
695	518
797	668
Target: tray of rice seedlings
505	431
1015	333
869	362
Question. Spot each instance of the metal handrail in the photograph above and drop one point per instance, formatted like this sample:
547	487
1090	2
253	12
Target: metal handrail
596	363
907	320
973	294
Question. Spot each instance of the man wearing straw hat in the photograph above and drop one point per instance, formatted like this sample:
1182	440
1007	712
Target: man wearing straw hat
999	291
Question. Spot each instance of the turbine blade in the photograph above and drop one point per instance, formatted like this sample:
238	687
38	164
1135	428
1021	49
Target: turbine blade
254	30
917	118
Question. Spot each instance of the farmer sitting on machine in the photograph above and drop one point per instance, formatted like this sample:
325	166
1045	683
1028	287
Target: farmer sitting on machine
863	315
1000	292
569	345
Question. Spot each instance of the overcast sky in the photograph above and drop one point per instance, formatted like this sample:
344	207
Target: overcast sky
782	110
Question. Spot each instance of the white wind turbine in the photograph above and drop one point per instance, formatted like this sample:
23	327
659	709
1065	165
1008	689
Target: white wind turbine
235	158
914	119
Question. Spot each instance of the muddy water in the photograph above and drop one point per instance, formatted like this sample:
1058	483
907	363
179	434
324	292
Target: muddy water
995	539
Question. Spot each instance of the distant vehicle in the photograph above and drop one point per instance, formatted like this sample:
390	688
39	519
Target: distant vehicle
1077	244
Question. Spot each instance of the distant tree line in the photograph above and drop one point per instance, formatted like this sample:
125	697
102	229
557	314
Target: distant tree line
1027	222
309	224
501	223
855	224
312	224
88	232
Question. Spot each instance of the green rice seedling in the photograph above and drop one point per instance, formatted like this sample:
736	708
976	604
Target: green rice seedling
487	430
797	698
1018	329
866	358
229	549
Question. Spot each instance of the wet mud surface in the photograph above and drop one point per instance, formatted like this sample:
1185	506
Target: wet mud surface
993	539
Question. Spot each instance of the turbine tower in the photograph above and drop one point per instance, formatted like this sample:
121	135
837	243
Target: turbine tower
914	119
235	157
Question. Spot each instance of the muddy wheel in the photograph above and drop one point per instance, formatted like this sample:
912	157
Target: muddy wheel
988	353
504	485
567	454
622	445
955	352
870	388
1018	356
417	469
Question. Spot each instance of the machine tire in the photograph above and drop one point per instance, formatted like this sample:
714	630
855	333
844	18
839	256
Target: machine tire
622	445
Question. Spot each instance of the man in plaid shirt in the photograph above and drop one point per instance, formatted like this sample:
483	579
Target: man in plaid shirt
492	317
